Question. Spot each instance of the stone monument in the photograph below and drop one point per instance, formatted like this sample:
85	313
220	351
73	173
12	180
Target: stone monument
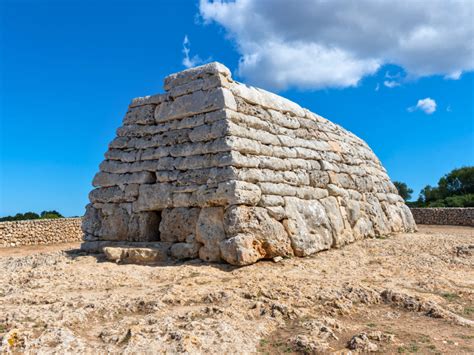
221	171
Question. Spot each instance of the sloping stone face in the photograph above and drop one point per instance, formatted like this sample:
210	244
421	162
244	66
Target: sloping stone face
226	172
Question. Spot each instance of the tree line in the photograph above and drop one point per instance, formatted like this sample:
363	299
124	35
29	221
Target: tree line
32	215
455	189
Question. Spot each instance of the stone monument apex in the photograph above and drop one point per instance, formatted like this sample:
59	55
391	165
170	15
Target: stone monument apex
218	170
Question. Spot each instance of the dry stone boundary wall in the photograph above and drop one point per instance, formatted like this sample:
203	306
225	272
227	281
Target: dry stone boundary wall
40	231
444	216
223	171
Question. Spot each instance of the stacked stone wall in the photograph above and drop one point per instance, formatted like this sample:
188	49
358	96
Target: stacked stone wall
40	231
224	171
444	216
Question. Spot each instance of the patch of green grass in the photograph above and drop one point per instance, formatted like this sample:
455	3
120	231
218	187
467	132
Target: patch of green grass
425	339
410	348
371	325
466	337
3	328
468	311
450	296
263	342
413	348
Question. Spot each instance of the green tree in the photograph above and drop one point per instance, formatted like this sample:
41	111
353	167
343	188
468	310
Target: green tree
455	189
403	190
29	215
51	214
32	215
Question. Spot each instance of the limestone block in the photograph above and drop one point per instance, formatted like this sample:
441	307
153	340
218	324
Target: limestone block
207	132
148	100
131	255
154	197
245	146
210	232
201	161
91	222
229	193
340	231
377	216
102	179
277	212
119	143
394	218
363	228
216	145
271	200
204	71
284	120
195	103
311	193
256	222
307	225
205	83
114	223
140	115
277	189
178	223
345	181
252	109
353	211
241	250
409	221
111	194
187	250
319	178
266	99
206	175
337	191
122	155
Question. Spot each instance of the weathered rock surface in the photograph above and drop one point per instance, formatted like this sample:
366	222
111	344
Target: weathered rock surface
229	172
405	293
157	252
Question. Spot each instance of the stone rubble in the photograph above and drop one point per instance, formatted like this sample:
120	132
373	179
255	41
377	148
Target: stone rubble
222	171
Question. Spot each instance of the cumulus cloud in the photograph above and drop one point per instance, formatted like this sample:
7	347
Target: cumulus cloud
319	43
427	105
189	61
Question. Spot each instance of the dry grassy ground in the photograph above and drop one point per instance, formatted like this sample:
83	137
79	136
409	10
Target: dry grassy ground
405	293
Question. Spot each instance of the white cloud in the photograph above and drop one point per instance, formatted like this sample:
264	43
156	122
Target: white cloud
319	43
189	61
391	83
427	105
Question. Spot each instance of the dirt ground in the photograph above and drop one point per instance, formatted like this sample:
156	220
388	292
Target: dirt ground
401	294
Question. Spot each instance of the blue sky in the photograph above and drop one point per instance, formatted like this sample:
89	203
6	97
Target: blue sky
69	69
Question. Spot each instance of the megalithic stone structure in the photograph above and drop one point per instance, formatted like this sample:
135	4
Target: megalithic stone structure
218	170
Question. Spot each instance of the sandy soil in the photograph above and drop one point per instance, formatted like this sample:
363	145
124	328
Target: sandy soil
404	293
